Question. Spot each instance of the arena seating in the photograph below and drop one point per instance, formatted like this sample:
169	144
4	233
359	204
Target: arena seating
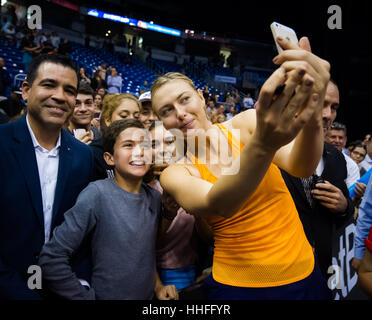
166	66
191	71
213	69
12	58
132	71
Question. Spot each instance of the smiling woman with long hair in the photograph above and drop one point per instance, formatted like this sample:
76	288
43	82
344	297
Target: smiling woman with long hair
114	107
261	251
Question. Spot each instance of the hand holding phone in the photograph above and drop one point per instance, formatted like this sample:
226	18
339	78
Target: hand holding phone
78	132
282	31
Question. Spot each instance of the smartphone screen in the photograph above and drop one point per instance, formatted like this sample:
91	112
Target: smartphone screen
78	132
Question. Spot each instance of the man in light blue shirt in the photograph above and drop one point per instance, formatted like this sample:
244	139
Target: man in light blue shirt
114	82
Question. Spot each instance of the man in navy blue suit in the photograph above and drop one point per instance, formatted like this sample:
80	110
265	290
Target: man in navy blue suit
43	168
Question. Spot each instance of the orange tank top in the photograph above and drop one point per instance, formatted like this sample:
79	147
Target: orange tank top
263	244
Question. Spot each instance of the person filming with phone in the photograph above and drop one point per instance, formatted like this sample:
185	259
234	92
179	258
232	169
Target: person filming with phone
80	121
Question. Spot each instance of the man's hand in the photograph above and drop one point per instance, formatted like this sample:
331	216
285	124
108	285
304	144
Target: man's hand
330	197
166	292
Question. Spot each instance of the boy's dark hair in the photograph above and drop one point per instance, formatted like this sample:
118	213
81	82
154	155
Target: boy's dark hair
111	133
85	88
34	65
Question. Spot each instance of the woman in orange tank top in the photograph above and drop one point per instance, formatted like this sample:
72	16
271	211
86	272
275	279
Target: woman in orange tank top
230	176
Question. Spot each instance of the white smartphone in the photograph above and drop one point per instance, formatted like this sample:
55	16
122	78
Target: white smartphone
279	30
78	132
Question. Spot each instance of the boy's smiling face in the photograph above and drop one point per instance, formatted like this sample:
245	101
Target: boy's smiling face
132	153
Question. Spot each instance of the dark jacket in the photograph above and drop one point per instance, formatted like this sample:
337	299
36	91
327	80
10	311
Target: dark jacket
101	168
320	224
21	207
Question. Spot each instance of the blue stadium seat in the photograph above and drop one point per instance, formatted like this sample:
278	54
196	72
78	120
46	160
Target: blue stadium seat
133	74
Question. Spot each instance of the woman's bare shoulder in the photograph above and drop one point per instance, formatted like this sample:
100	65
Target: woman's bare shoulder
245	122
187	164
245	119
174	177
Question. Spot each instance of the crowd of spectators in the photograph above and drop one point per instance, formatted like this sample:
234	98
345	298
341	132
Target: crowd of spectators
220	109
179	245
356	153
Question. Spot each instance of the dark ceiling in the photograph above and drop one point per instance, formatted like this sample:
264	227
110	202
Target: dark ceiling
247	20
348	50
